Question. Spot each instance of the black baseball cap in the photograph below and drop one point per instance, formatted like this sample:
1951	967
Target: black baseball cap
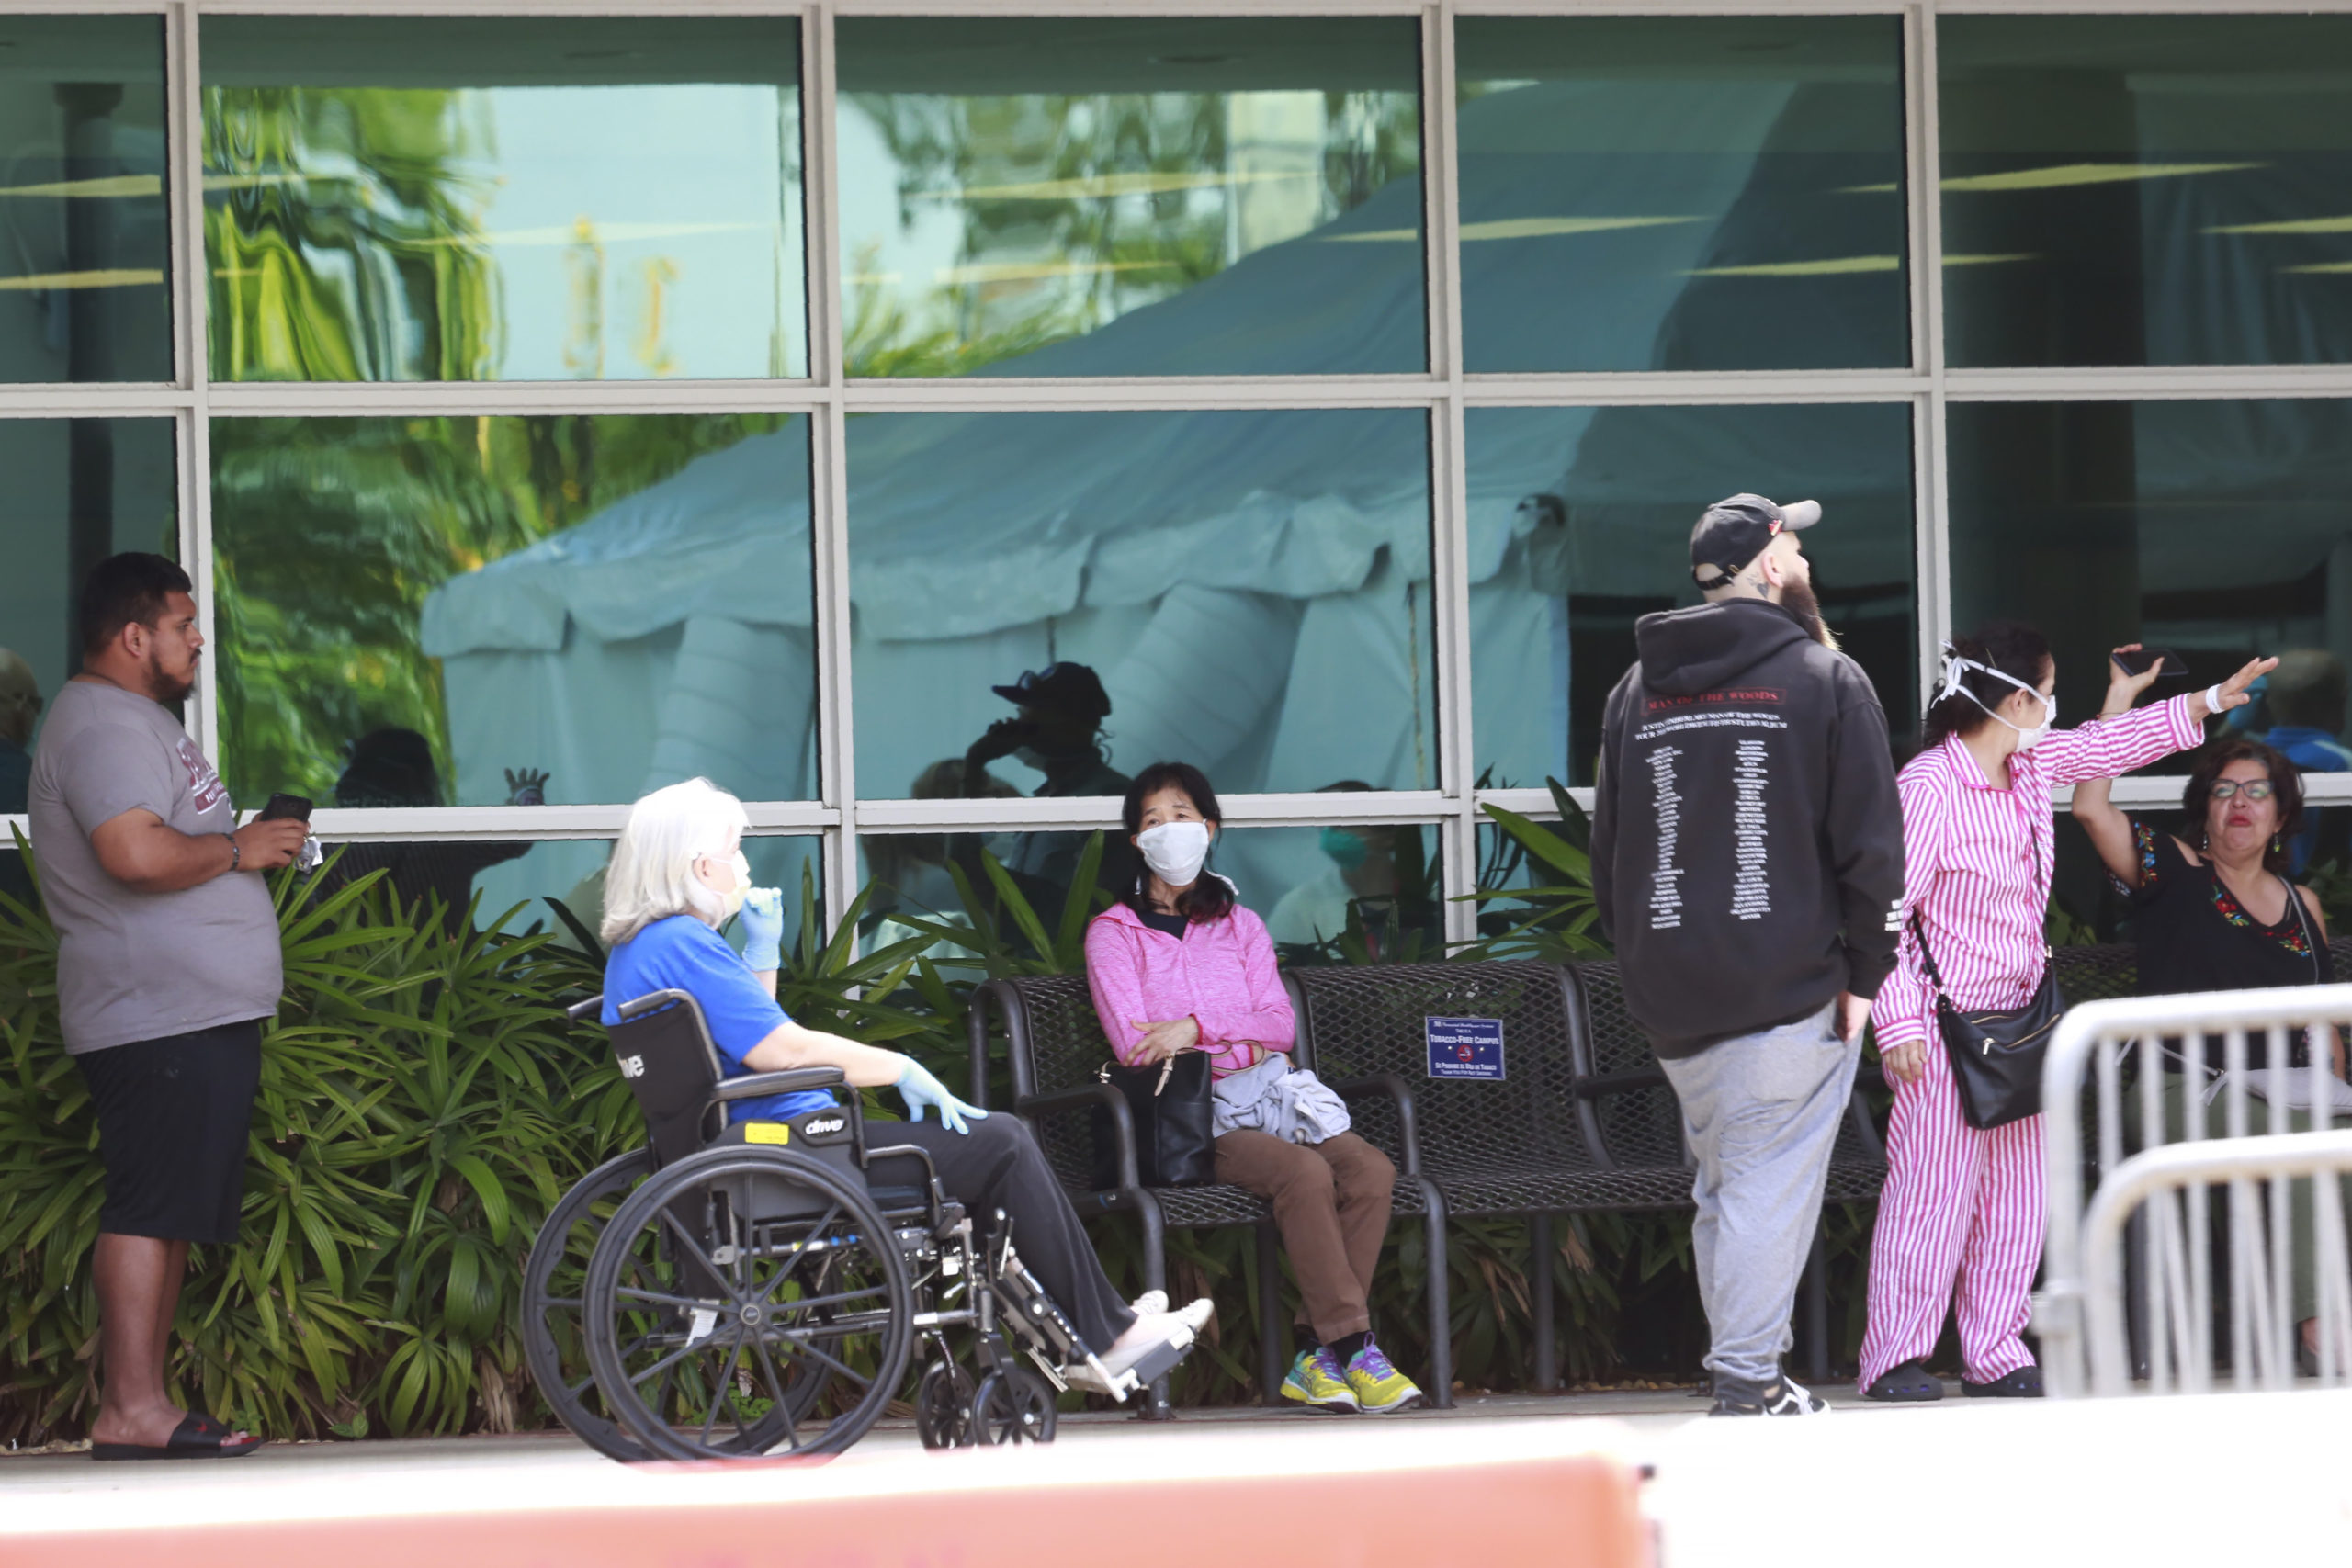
1734	531
1073	689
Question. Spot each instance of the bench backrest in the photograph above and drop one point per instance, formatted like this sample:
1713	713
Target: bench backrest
1053	1041
1364	1020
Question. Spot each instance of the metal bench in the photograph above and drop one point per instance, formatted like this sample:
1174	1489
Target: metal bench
1055	1047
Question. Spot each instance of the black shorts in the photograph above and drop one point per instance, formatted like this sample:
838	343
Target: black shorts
173	1117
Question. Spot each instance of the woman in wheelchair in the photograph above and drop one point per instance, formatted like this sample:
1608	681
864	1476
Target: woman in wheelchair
676	876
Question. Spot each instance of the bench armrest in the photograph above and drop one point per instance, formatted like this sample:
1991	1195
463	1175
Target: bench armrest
1601	1086
1079	1096
790	1081
1395	1088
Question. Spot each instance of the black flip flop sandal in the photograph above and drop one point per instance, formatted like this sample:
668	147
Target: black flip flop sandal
2023	1383
196	1436
1907	1384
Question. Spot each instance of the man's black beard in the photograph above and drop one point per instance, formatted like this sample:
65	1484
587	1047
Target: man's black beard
1798	600
168	690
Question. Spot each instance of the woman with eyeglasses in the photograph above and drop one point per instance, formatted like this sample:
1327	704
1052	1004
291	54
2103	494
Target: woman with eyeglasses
2213	910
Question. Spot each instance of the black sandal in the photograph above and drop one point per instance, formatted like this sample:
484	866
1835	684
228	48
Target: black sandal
2023	1383
1909	1383
196	1436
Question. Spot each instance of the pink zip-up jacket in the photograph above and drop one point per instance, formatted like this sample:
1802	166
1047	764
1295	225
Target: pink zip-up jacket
1221	975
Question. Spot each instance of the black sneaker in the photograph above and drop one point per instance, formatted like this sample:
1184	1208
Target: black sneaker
2023	1383
1782	1396
1909	1383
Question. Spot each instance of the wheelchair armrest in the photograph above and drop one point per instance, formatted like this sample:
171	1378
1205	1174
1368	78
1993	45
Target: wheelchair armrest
1077	1096
1394	1087
581	1011
1601	1086
790	1081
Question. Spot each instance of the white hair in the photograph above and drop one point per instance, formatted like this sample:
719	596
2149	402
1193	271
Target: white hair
652	872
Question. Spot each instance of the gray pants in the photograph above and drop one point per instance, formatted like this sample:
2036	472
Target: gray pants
1760	1113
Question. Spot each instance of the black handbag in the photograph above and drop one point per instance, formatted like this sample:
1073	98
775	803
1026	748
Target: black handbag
1996	1056
1174	1138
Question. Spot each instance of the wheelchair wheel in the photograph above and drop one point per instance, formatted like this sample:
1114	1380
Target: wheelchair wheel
944	1406
729	1290
554	1280
1013	1404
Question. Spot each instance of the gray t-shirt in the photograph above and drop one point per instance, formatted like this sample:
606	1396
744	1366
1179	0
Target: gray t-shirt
136	965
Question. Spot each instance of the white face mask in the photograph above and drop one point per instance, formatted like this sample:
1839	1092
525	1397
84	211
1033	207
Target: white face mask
1175	851
2026	739
731	901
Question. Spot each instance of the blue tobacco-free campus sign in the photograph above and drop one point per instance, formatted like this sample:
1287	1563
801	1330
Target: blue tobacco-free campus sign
1465	1048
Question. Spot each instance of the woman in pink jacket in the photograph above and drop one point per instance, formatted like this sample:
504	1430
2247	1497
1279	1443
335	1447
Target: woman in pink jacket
1177	964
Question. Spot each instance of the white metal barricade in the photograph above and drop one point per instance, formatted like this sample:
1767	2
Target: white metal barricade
2200	1142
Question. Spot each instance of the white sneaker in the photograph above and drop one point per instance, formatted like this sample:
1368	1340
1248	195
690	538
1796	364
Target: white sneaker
1147	1335
1149	1305
1195	1316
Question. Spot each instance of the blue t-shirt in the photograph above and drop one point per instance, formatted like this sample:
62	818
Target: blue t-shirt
681	954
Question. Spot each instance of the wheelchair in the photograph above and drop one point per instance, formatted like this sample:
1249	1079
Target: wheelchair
759	1289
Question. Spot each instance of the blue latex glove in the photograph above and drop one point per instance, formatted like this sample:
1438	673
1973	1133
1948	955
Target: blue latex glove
762	919
918	1089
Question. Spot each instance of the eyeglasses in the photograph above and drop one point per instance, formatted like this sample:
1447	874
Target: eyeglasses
2254	789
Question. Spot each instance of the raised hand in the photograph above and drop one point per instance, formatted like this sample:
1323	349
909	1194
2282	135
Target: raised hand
2232	692
2123	688
763	917
527	786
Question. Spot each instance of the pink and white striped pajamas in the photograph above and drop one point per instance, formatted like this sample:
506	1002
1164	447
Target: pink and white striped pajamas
1960	1218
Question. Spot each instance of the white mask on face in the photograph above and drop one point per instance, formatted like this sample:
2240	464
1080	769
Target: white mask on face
731	901
2026	739
1175	851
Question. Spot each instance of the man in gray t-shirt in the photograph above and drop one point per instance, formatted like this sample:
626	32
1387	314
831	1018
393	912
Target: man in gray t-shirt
168	961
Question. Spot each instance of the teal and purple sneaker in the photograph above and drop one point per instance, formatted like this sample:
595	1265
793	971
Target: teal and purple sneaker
1318	1382
1379	1387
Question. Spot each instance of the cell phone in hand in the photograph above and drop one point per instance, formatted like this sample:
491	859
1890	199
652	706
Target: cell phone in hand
2170	665
282	807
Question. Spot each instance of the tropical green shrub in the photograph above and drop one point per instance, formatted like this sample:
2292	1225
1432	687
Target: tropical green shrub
423	1103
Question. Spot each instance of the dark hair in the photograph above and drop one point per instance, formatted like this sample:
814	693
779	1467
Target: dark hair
122	589
2017	651
1209	897
2286	784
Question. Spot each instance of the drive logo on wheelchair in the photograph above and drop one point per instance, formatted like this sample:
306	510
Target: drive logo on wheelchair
818	1126
632	1067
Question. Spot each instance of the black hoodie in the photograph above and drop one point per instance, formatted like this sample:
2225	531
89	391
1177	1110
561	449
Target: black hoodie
1747	836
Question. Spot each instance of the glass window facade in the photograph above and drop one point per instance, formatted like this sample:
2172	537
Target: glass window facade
464	199
919	424
1015	193
1580	525
1673	193
438	612
84	226
2147	190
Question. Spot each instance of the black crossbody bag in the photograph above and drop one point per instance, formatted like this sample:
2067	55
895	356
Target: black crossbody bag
1174	1121
1996	1056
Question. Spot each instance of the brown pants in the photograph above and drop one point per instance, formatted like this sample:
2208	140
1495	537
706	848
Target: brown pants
1330	1201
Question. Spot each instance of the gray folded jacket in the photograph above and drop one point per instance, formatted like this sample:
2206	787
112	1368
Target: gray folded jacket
1272	1098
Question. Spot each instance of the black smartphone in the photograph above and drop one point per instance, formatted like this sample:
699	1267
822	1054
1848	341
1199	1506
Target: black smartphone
2172	667
297	807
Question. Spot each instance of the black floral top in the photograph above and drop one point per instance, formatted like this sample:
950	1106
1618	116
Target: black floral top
2194	935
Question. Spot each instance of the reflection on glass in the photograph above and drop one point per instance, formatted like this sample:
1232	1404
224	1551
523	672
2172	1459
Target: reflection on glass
2215	530
84	225
78	490
499	198
1359	894
438	611
1580	525
1643	193
571	872
1051	602
1193	197
2146	190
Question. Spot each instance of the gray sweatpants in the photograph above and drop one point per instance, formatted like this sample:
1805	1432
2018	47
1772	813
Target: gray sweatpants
1760	1113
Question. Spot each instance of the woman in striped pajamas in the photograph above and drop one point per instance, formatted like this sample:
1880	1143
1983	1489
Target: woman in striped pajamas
1959	1222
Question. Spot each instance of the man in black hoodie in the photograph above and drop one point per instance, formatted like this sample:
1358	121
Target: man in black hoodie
1747	861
